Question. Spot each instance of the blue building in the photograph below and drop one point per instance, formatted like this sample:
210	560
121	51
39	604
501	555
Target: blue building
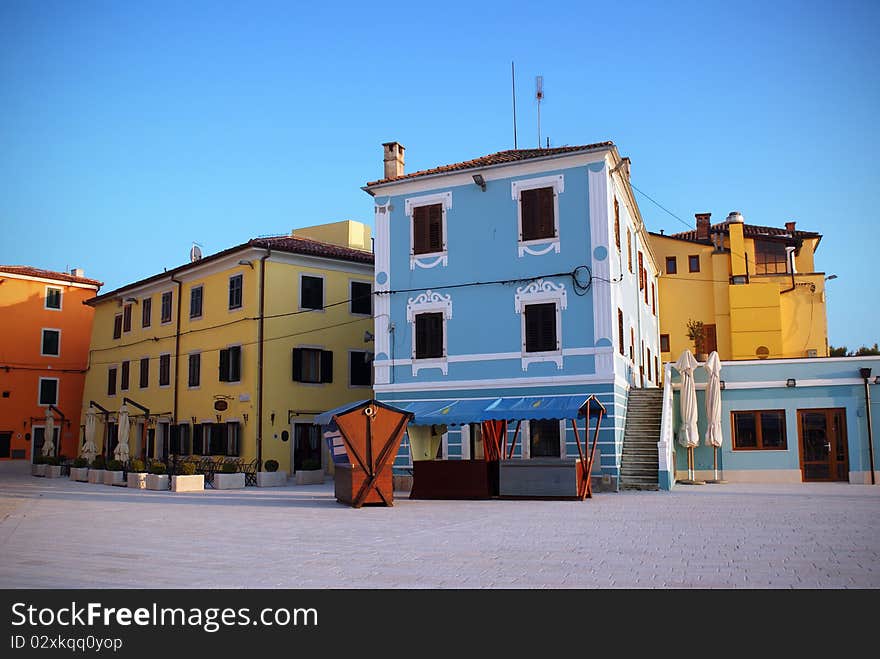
520	273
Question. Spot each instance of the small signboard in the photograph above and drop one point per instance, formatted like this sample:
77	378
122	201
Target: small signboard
220	405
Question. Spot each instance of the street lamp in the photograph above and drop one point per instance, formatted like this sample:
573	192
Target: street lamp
866	376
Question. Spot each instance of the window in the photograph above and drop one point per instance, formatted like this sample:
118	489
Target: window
198	439
671	265
648	362
541	327
759	430
195	302
620	340
230	364
694	263
312	365
632	345
641	271
233	431
166	307
656	369
164	370
360	370
145	373
645	277
126	318
629	253
664	343
361	298
195	369
427	229
123	375
617	224
235	289
117	326
53	298
311	292
544	438
51	343
146	312
429	335
653	300
538	220
770	257
180	440
48	391
111	381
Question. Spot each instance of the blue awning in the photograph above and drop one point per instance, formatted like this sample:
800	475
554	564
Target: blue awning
324	418
455	412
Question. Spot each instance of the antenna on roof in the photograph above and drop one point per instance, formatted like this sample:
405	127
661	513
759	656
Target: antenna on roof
513	89
539	95
195	253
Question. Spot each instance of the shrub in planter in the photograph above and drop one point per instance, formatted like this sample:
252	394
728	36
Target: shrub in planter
158	468
80	463
138	466
79	470
229	468
114	465
311	464
187	469
271	465
98	462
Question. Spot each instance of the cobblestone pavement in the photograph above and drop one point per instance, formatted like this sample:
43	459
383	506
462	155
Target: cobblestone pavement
55	533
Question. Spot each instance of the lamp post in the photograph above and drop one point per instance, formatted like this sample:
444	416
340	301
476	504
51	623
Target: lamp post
866	375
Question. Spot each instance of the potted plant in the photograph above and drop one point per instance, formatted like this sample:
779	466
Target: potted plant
157	479
79	470
137	475
114	473
311	473
96	472
53	467
187	480
229	477
697	333
271	477
38	468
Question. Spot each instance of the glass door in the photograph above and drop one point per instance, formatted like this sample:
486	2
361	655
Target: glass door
823	445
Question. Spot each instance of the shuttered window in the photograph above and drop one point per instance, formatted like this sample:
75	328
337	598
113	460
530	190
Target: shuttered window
541	327
664	343
620	341
312	365
311	292
428	229
166	307
146	312
145	373
429	335
126	318
124	375
164	370
641	271
195	369
617	224
235	288
117	326
629	252
671	265
195	302
111	381
537	214
230	364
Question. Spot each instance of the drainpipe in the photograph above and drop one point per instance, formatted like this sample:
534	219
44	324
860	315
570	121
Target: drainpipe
866	374
260	356
791	269
176	349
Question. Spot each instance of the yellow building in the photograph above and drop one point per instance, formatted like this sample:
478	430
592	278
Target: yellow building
754	288
232	354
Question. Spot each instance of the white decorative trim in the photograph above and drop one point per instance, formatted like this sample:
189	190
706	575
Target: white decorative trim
441	257
557	182
382	303
429	302
780	384
60	298
562	435
499	356
47	280
542	245
550	244
603	324
538	292
511	383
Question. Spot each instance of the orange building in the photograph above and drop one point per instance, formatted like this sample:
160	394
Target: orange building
45	331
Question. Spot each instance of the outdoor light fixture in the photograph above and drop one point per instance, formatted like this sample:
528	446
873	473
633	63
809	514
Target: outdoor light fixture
244	415
790	382
877	379
830	277
193	420
479	180
722	384
246	262
865	373
219	417
368	336
131	299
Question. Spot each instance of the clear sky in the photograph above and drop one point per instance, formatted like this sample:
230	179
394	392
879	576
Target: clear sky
130	130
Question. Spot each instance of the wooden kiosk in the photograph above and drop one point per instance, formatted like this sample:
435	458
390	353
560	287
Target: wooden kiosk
371	433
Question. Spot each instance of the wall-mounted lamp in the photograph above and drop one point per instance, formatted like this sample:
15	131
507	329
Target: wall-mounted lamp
830	277
272	418
865	373
193	420
877	379
133	300
244	415
479	180
791	382
722	384
246	262
368	336
219	418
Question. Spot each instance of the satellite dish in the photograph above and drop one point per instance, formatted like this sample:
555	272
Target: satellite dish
195	253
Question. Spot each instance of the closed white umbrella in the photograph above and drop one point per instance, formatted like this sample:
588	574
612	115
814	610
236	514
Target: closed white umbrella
713	409
49	434
688	436
89	450
121	453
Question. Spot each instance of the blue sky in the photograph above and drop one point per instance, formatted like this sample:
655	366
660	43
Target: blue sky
130	130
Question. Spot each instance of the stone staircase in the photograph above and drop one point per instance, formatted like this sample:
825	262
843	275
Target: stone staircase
639	462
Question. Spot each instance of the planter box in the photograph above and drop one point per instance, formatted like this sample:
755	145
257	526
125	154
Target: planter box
38	470
157	481
137	480
80	474
310	477
454	479
96	475
53	471
349	479
191	483
271	478
541	478
229	481
112	477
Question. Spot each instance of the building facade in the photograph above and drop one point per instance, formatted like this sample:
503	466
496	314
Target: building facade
755	289
44	349
522	273
233	354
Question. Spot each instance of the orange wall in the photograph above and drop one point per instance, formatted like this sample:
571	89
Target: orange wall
22	317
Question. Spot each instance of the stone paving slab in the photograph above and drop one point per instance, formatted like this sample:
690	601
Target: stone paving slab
61	534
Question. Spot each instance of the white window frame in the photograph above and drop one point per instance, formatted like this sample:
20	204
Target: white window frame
526	430
541	292
323	279
43	331
356	386
429	302
441	257
541	245
60	298
40	388
351	299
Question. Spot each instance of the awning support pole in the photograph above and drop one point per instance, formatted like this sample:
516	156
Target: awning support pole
513	444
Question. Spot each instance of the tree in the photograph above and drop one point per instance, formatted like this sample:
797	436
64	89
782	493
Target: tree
696	332
837	352
863	351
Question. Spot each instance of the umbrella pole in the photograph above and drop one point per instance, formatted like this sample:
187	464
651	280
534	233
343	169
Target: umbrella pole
716	480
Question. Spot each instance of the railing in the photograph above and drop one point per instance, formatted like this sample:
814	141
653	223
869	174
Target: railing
667	434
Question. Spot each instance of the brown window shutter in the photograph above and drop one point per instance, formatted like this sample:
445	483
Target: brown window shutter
617	223
326	366
435	228
620	339
547	226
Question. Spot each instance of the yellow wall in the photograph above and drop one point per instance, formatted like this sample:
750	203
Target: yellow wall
346	233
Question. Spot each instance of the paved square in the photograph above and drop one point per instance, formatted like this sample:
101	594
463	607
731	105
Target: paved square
61	534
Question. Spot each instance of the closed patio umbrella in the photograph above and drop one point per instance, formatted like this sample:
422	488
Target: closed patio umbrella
49	434
688	435
713	410
121	453
89	450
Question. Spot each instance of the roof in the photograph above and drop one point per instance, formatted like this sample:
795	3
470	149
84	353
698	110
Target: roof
288	244
499	158
749	231
325	418
28	271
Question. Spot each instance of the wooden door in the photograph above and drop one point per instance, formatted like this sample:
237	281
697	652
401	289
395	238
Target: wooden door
5	442
823	445
710	339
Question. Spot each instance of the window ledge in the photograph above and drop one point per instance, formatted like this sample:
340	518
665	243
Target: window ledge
434	362
429	260
538	247
554	356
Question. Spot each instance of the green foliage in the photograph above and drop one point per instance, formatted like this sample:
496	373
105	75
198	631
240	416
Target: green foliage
98	462
229	468
114	465
50	460
187	468
158	468
311	464
39	459
80	463
862	351
696	333
837	352
138	466
271	465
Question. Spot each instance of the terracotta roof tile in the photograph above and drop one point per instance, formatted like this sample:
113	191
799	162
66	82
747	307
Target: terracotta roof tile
499	158
749	230
28	271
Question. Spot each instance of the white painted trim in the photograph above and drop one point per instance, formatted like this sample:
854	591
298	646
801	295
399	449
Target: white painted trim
60	306
780	384
496	356
313	275
46	280
57	391
557	182
43	330
464	433
801	360
404	400
429	302
562	435
511	383
541	292
525	430
382	303
444	199
603	323
442	258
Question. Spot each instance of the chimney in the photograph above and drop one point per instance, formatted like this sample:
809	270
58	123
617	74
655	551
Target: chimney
393	159
627	167
77	272
703	225
735	216
789	226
